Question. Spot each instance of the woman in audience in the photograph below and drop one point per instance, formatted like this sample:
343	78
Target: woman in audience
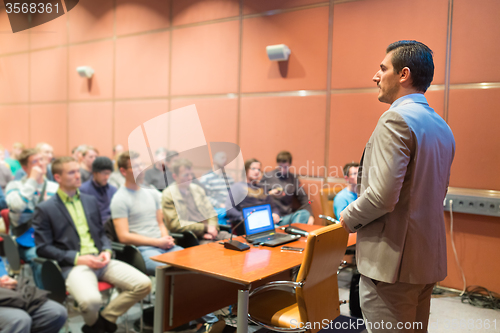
255	196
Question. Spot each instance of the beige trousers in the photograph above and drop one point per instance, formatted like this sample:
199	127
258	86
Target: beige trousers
82	285
395	307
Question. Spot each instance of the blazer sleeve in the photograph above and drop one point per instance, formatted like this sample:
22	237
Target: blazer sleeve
45	242
387	165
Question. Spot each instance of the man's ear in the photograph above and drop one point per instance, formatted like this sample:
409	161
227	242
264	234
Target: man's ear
122	171
404	75
57	177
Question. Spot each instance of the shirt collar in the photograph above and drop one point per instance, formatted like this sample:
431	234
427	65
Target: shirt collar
411	98
65	198
99	186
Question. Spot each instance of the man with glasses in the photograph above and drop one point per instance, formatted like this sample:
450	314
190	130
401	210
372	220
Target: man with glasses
22	197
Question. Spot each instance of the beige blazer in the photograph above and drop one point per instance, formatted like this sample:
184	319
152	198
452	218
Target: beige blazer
399	215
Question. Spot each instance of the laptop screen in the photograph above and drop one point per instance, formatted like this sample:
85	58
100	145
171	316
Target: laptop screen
260	220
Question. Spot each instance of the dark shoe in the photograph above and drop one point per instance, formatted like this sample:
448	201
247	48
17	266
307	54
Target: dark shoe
93	329
106	324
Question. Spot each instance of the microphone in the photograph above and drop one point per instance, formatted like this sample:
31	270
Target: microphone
297	231
234	244
329	219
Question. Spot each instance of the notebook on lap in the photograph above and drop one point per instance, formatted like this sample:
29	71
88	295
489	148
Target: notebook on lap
259	227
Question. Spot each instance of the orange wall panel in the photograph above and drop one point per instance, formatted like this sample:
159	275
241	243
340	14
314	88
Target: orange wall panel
218	117
142	66
352	120
474	47
305	32
91	123
134	16
89	20
15	125
476	240
52	33
10	42
99	56
297	124
205	59
259	6
362	30
131	114
474	119
48	75
192	11
14	78
49	123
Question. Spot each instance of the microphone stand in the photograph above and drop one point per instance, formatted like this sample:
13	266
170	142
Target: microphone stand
234	244
297	231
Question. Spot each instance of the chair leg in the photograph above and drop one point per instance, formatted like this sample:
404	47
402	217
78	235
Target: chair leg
141	322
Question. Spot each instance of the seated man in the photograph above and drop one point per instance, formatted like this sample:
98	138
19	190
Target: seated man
22	197
185	204
348	194
68	229
288	186
98	186
137	214
215	184
155	176
257	195
47	318
88	157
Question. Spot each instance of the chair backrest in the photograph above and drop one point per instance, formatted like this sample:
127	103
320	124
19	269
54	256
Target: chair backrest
5	216
318	298
132	256
327	197
12	253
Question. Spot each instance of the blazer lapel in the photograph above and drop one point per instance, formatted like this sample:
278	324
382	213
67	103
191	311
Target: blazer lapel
64	210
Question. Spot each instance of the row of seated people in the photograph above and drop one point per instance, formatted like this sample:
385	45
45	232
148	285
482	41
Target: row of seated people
137	224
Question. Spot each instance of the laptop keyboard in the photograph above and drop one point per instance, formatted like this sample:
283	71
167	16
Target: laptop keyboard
266	238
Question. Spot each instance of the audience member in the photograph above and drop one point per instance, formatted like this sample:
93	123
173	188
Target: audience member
288	187
12	160
22	198
47	153
137	214
252	191
49	317
68	229
348	194
5	172
98	186
3	203
156	176
117	150
77	152
215	184
186	206
88	157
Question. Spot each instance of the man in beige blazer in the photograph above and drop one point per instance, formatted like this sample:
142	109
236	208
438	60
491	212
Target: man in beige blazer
404	175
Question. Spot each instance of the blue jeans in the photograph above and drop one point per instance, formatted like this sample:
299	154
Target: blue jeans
48	318
151	251
300	216
28	254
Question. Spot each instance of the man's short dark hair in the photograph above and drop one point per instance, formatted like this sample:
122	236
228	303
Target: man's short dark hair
348	167
181	162
124	157
57	165
417	57
284	157
102	163
249	162
26	154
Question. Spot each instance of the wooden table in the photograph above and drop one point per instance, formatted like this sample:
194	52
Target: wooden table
214	277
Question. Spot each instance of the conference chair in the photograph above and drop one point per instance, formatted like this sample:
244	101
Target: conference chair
54	282
327	198
314	297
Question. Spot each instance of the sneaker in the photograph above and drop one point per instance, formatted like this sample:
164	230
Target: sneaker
217	327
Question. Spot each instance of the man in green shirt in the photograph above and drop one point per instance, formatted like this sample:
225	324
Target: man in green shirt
68	229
